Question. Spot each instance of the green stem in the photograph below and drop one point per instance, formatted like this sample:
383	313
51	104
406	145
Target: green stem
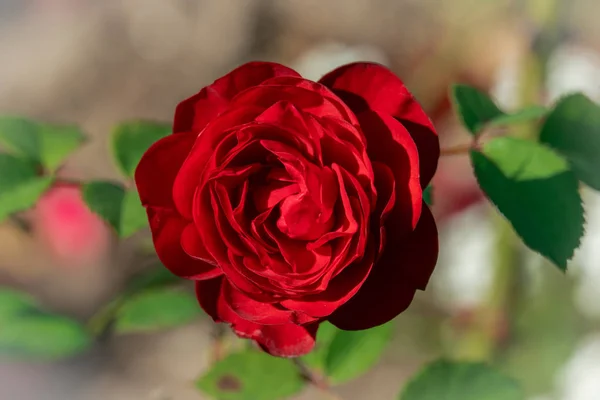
491	322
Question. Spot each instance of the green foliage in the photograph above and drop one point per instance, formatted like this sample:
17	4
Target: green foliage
106	200
20	187
546	330
133	214
157	277
45	144
13	302
527	114
445	380
477	110
26	332
251	375
20	135
428	195
121	208
573	129
352	353
535	190
474	107
316	358
57	143
156	309
130	140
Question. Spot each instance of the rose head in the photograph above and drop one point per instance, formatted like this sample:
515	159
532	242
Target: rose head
292	202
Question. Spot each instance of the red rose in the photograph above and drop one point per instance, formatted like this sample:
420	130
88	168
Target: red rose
291	202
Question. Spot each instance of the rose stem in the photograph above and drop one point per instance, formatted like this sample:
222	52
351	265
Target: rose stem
492	322
455	151
315	380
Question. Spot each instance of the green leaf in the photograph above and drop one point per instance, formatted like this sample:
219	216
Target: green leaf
42	337
156	309
22	196
46	144
316	358
133	214
527	114
428	195
353	353
14	171
13	303
445	380
106	200
20	135
130	141
57	143
534	189
573	129
158	276
474	107
251	375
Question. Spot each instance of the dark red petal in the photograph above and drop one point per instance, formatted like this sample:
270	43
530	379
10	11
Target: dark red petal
340	289
194	113
322	90
389	143
208	293
193	246
156	171
372	86
252	310
287	340
404	267
167	229
201	152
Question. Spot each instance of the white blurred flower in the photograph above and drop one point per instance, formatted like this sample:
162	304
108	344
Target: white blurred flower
579	379
587	260
464	273
326	56
573	68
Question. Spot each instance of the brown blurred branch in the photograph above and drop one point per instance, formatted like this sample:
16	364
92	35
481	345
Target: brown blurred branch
456	151
315	380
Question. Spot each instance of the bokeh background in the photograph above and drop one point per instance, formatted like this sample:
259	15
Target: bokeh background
95	63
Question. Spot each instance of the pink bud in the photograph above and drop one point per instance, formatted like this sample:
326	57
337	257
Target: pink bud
68	229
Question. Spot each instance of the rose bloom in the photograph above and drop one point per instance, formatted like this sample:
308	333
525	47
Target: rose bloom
291	202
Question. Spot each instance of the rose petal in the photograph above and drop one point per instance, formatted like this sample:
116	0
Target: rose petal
252	310
404	267
194	113
167	229
208	293
156	171
372	86
203	149
390	143
339	291
322	90
287	340
193	246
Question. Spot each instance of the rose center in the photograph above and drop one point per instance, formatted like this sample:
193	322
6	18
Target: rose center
301	218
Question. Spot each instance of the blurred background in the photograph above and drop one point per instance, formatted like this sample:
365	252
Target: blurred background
95	63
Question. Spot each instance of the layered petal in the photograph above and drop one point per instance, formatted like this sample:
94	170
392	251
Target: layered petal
167	230
389	143
194	113
154	178
156	171
285	340
369	86
404	267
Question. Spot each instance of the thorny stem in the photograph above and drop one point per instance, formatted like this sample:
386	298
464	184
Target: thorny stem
315	380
